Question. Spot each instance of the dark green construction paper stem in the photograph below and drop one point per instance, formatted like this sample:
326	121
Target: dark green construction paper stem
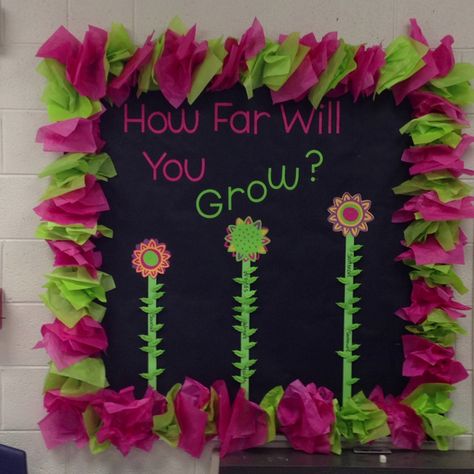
350	309
246	300
151	309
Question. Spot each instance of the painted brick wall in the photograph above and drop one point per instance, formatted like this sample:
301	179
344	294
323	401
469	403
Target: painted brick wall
23	260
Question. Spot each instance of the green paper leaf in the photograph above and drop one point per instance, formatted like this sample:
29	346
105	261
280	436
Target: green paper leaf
353	380
343	280
252	331
270	403
354	326
211	66
455	86
432	129
238	379
339	66
238	353
403	58
120	47
249	345
61	98
165	425
149	310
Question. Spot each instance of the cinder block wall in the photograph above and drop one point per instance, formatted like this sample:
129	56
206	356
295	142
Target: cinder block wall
25	24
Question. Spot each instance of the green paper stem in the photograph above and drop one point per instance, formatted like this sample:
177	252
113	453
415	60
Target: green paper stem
151	309
244	310
349	347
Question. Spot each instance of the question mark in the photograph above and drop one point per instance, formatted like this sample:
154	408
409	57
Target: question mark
315	166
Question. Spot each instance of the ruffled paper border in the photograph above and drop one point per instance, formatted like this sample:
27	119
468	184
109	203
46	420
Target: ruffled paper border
107	66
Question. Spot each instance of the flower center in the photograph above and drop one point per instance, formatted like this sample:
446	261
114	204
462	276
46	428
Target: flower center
247	239
350	214
151	258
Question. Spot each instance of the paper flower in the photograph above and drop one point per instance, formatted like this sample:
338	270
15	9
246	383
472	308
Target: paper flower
430	361
247	426
350	214
119	88
247	239
361	419
72	135
429	207
430	251
64	422
180	58
406	427
150	258
426	159
85	63
68	254
250	44
190	405
66	346
424	102
424	299
431	402
81	206
306	416
125	421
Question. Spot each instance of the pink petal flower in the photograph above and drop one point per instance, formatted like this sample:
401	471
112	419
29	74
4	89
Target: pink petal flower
86	69
85	63
311	68
61	45
224	409
364	79
431	158
64	421
126	421
425	358
247	426
306	414
423	103
250	44
429	207
73	135
119	88
180	58
406	427
81	206
66	346
438	63
68	253
425	299
430	251
192	419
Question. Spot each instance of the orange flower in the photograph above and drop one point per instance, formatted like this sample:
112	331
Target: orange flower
150	258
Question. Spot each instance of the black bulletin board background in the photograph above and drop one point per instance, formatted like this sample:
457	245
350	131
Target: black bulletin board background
299	325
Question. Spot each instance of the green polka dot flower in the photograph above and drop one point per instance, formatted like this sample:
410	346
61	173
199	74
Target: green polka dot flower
247	239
